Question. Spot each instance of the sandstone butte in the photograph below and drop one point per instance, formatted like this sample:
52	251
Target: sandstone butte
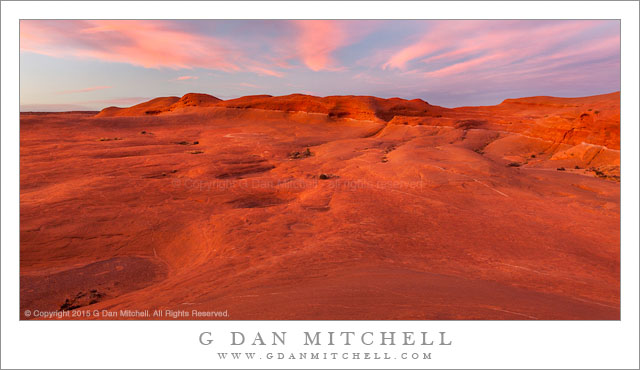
342	207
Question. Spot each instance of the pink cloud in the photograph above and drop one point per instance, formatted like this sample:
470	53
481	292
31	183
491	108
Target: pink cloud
506	59
149	44
507	54
184	78
564	63
437	38
265	71
464	66
85	90
163	44
450	41
246	84
318	40
400	59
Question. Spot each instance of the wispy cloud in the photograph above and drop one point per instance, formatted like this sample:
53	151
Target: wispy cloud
450	49
265	71
149	44
164	44
184	78
318	40
246	84
85	90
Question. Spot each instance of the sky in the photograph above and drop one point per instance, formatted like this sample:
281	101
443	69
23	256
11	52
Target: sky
92	64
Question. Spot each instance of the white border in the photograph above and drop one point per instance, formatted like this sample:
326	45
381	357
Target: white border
477	344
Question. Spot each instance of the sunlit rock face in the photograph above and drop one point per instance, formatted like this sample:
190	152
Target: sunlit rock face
343	207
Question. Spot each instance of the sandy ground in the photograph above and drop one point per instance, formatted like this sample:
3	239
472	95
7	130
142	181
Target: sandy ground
505	212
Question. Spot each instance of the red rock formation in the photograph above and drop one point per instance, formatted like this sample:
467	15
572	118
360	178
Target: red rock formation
151	107
301	207
195	100
593	120
355	107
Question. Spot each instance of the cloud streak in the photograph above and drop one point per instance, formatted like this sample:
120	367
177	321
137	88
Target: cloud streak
163	44
148	44
185	78
85	90
317	40
450	49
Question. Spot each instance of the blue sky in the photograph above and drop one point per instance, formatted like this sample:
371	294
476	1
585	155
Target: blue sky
76	64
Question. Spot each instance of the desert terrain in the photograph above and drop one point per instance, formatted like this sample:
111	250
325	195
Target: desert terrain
342	207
